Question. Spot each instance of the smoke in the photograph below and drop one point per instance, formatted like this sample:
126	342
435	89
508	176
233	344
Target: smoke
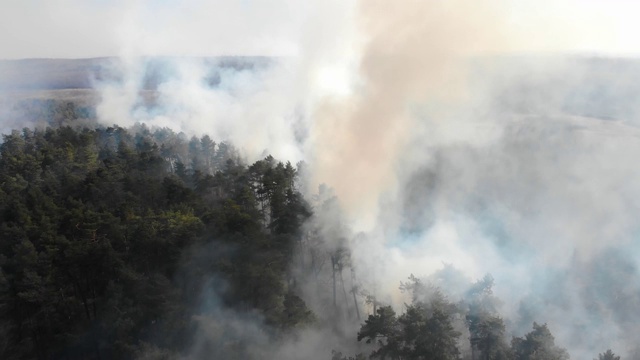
441	158
455	132
536	208
438	149
413	57
239	102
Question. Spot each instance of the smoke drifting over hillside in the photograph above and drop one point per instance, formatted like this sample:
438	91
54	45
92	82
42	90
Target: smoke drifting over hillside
440	148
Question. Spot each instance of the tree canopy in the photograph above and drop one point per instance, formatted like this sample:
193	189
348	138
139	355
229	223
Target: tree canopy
120	243
95	225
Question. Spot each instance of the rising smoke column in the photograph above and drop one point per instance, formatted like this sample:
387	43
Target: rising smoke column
413	55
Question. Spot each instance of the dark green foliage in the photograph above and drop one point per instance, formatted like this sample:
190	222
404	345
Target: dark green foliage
428	328
383	330
538	344
608	355
424	331
486	327
487	335
295	311
97	236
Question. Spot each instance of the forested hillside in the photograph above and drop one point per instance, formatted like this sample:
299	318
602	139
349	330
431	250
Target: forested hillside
125	243
108	237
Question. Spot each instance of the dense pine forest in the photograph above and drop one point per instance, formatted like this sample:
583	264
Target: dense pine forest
126	243
109	235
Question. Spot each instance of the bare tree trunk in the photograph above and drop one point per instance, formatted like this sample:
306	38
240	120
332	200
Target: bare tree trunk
344	292
354	289
375	301
333	274
355	302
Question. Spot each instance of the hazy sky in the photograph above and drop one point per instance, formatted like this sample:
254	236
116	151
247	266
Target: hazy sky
89	28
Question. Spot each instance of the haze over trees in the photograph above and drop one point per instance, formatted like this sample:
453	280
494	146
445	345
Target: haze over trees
112	240
96	225
144	243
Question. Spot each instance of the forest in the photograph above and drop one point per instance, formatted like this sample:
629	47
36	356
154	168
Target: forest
96	225
147	244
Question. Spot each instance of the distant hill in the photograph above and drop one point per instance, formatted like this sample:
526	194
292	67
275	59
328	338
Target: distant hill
50	74
56	74
602	88
63	91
